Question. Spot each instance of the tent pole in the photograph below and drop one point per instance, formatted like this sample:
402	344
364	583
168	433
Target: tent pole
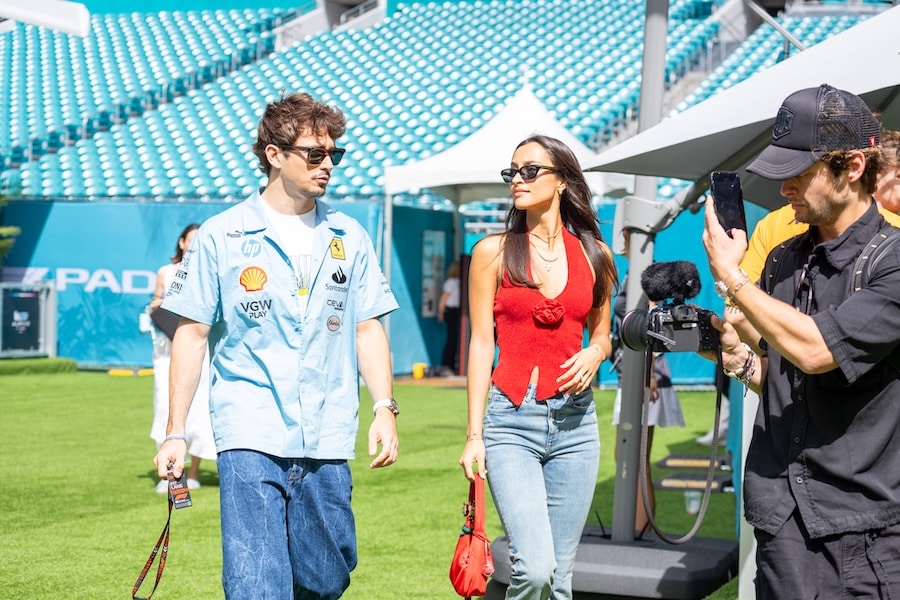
640	255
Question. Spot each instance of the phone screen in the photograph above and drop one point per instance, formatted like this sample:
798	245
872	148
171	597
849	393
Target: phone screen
726	192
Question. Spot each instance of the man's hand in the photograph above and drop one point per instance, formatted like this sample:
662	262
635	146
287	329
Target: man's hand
734	352
170	452
724	252
383	431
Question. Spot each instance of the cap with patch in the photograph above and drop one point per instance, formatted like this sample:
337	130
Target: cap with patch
810	123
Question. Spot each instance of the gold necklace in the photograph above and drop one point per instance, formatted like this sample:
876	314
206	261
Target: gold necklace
548	262
549	237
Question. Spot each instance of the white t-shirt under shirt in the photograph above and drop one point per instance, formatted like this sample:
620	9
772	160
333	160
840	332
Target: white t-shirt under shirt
295	236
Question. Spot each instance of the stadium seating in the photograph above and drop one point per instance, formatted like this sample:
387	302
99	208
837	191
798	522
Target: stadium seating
61	88
178	120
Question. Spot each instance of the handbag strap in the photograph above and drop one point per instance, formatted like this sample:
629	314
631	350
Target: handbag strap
476	500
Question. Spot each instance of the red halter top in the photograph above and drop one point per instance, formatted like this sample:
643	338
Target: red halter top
533	330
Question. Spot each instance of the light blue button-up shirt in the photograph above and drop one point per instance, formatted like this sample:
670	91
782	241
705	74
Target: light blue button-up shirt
281	381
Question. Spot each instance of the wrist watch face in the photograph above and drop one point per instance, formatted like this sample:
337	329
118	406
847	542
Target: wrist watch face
721	289
736	374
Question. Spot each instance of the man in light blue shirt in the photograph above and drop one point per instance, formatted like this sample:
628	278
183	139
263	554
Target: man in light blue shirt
287	293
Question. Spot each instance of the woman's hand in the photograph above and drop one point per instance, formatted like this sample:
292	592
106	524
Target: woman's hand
580	370
473	454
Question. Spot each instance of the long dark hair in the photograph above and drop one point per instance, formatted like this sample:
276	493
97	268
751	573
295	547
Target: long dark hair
179	253
577	215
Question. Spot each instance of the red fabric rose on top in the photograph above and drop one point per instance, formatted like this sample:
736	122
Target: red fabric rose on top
548	312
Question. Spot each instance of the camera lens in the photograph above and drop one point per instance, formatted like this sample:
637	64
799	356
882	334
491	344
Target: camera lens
634	329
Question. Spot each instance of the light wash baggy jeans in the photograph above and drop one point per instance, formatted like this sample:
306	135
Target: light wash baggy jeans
287	527
542	460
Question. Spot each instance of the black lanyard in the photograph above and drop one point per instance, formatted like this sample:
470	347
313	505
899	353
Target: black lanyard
163	542
179	497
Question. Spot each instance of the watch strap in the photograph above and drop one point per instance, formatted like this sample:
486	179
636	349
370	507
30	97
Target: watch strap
386	403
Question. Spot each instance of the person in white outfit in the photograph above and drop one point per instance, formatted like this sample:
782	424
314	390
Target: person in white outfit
200	442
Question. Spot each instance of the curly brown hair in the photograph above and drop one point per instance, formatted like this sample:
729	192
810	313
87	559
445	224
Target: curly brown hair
837	161
890	147
287	119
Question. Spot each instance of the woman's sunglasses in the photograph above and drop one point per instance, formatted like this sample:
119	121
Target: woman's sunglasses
528	172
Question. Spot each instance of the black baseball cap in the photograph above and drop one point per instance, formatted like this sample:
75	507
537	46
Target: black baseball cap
810	123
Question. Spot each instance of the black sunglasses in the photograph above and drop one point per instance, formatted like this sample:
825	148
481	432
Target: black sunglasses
315	156
528	172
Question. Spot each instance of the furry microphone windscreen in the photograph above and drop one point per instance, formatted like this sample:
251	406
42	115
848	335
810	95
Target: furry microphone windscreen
677	279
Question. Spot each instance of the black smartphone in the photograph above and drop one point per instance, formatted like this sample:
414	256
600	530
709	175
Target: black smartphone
729	200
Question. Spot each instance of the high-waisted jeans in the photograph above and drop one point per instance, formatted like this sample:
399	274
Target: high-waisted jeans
287	527
542	460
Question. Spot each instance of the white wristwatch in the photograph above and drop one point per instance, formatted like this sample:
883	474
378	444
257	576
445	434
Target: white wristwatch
386	403
721	287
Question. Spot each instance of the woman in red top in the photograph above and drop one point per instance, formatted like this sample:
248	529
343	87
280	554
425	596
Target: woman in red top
538	286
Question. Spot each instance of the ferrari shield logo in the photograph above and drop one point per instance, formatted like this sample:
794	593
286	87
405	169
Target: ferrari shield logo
337	248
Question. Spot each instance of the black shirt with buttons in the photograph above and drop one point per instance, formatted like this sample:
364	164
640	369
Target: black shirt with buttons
828	445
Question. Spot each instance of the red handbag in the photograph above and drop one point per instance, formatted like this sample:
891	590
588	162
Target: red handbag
472	563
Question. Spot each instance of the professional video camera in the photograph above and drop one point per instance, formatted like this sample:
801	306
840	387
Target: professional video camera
670	326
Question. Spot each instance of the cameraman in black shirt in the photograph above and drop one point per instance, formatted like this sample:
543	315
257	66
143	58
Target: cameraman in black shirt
822	478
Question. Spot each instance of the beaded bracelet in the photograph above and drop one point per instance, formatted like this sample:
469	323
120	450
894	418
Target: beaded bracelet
175	436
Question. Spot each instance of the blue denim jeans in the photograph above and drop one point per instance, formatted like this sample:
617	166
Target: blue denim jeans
287	527
542	460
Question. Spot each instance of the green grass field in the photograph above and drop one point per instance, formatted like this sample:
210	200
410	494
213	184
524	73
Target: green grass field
80	515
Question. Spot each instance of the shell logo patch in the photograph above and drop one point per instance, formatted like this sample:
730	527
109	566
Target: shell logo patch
337	248
253	279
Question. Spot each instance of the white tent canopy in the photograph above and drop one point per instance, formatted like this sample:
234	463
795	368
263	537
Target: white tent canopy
727	130
68	17
470	170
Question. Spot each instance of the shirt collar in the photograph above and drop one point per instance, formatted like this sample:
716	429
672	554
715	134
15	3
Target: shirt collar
255	217
844	249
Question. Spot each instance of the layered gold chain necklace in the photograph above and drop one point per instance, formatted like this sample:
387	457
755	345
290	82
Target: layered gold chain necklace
549	237
548	262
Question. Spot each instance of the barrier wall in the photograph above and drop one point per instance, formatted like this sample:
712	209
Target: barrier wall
103	256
